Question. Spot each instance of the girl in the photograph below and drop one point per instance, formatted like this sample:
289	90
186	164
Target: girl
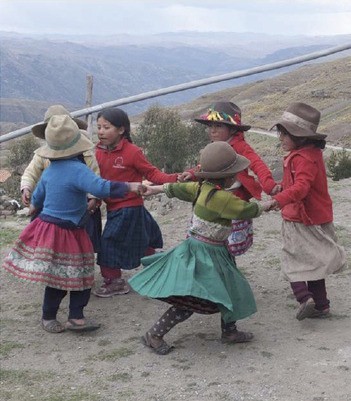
223	120
34	170
54	249
310	251
130	231
199	275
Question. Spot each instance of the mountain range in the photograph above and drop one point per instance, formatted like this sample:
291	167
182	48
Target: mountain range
37	71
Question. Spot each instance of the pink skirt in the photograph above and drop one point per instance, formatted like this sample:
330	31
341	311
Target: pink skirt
57	257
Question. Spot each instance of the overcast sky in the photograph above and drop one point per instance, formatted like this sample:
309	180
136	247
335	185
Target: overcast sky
286	17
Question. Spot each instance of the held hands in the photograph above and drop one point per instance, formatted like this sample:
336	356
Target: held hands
136	187
184	177
269	205
152	190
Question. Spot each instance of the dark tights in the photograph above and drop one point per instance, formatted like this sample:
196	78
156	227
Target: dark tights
311	289
53	298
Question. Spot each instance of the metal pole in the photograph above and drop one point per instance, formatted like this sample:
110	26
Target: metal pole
190	85
88	103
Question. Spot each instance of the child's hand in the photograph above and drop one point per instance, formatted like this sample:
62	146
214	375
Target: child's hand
136	187
32	210
270	205
152	190
92	205
276	189
26	195
185	176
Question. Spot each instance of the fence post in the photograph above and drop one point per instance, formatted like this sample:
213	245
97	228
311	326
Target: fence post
88	103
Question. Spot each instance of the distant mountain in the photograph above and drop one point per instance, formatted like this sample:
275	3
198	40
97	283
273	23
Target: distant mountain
38	71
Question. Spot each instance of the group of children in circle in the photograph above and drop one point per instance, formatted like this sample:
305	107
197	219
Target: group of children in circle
69	177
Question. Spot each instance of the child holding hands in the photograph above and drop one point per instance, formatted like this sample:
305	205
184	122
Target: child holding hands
55	249
199	275
310	248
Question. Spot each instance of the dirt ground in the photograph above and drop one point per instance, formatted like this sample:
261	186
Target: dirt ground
287	361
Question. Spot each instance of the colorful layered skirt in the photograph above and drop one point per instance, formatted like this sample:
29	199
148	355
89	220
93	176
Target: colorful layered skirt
58	257
197	276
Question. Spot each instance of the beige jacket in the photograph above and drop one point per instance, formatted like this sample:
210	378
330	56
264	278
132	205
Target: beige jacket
38	164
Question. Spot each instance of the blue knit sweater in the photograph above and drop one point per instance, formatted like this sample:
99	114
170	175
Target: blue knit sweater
63	187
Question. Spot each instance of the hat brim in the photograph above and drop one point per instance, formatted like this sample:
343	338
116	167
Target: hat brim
297	131
241	164
239	127
39	129
82	145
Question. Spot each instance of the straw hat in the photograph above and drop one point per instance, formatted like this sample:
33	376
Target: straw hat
219	160
226	113
39	129
63	139
301	120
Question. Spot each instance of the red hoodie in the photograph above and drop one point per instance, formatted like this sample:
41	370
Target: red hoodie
126	162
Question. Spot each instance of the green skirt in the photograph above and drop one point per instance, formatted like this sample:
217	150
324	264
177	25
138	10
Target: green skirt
198	270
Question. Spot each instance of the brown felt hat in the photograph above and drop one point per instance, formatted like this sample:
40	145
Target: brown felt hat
226	113
63	139
301	120
39	129
219	160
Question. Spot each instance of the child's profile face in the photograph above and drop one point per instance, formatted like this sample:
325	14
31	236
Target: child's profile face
219	132
286	141
109	135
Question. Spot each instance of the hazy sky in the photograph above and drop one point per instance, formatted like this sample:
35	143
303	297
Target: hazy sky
286	17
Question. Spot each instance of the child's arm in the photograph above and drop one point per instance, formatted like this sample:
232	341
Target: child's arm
31	176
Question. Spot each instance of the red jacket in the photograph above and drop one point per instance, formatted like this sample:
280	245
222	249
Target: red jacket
126	162
251	188
305	197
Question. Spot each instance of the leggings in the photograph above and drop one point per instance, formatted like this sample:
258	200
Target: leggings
52	300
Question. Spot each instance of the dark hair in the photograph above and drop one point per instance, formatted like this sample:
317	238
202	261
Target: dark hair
118	118
301	142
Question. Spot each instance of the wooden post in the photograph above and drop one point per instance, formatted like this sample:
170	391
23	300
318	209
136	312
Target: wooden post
88	103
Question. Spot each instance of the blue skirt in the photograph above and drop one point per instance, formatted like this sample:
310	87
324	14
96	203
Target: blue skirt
128	233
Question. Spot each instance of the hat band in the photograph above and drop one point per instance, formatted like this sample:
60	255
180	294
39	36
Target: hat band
300	122
66	145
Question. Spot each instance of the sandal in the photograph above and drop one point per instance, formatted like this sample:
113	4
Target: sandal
306	309
86	326
237	336
52	326
162	349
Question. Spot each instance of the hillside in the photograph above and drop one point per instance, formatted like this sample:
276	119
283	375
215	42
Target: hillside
326	86
39	71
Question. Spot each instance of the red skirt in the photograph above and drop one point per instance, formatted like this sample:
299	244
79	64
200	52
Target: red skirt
57	257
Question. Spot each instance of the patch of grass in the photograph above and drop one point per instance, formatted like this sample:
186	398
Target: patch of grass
120	377
7	346
8	236
113	355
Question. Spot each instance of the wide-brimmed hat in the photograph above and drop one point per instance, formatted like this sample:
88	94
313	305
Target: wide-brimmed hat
63	139
39	129
225	113
301	120
219	160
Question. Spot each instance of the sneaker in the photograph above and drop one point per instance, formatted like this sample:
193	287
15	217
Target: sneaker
306	309
320	314
114	287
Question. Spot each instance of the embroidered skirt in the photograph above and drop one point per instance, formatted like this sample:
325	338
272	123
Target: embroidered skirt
310	252
57	257
128	233
195	270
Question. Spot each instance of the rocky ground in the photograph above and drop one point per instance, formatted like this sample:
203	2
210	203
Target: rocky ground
288	360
